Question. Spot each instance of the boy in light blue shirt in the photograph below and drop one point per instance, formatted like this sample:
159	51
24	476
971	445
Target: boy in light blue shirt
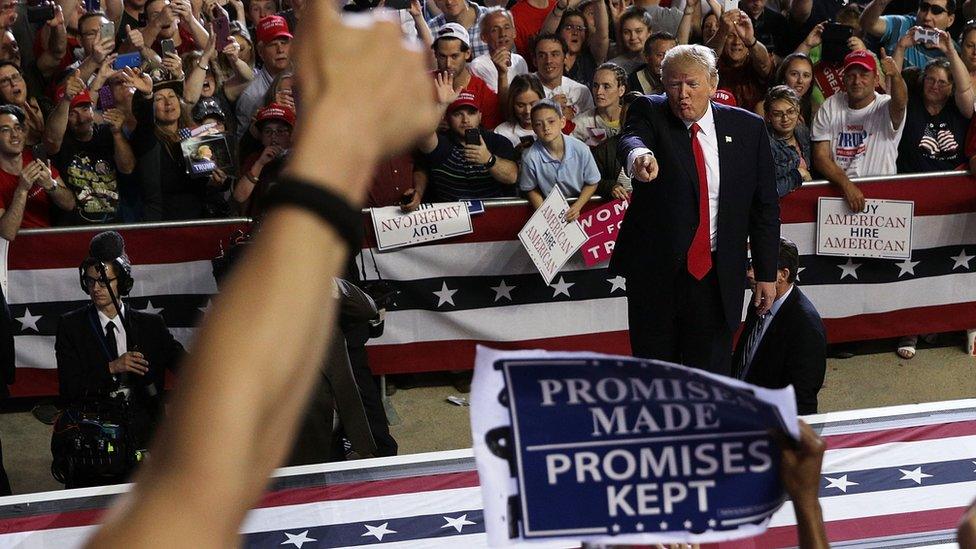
555	160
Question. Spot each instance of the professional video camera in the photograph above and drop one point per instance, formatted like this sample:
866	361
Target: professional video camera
92	443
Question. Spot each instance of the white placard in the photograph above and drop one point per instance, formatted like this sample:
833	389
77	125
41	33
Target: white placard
396	229
548	238
883	229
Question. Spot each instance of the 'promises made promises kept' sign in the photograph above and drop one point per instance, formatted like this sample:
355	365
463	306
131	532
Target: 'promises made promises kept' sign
603	448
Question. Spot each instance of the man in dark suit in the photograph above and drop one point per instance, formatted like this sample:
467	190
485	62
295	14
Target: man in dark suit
703	184
99	355
787	346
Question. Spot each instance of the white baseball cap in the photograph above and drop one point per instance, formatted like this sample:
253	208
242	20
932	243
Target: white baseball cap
453	30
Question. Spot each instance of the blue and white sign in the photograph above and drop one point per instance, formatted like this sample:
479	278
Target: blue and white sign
605	448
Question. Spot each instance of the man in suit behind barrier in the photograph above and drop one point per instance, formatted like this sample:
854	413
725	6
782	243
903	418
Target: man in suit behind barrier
703	185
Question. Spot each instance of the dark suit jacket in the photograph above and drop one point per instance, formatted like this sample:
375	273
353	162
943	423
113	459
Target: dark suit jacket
793	351
661	221
82	355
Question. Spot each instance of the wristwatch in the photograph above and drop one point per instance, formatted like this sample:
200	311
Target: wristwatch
491	161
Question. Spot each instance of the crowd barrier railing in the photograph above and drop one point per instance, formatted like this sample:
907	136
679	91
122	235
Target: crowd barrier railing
481	288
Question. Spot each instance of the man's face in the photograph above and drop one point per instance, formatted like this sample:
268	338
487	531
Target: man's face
606	90
549	59
499	32
689	88
96	289
9	49
276	134
154	8
259	9
11	135
709	26
13	89
927	16
81	121
90	33
735	49
452	9
450	57
656	57
8	13
859	83
166	107
463	119
573	32
276	54
753	7
936	86
522	105
547	125
634	32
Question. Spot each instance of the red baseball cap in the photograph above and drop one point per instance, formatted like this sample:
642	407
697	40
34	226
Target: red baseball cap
274	111
860	58
83	98
272	27
725	97
465	99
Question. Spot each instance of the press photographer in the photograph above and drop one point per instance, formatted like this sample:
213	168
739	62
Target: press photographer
111	364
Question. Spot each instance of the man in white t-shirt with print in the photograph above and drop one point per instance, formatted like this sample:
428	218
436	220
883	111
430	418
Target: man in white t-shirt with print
856	131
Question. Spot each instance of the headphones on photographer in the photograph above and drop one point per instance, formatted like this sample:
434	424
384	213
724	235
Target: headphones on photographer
123	273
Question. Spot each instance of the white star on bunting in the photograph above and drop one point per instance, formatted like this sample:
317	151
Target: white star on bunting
205	308
617	283
561	287
841	483
297	539
798	271
688	525
29	321
378	531
446	295
849	269
663	525
150	309
915	474
503	290
962	260
907	267
457	523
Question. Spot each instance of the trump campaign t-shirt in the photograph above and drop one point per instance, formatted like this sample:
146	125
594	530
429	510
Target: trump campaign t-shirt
862	141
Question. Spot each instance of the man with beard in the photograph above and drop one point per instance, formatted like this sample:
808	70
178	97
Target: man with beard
28	186
90	156
452	50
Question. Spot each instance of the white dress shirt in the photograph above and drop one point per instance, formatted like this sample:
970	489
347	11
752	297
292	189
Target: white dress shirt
120	341
578	95
708	139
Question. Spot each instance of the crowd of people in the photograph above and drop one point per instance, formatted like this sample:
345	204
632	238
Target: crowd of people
150	110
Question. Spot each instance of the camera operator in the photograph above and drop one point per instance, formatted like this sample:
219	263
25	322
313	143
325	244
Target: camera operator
108	350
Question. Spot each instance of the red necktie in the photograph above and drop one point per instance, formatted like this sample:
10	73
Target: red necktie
700	251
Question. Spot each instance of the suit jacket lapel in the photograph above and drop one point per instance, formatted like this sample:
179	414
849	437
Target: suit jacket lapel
681	140
772	331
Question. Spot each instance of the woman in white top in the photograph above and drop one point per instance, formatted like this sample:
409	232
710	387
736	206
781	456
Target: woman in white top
603	121
524	92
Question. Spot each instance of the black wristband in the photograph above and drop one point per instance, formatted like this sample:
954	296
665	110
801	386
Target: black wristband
330	207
